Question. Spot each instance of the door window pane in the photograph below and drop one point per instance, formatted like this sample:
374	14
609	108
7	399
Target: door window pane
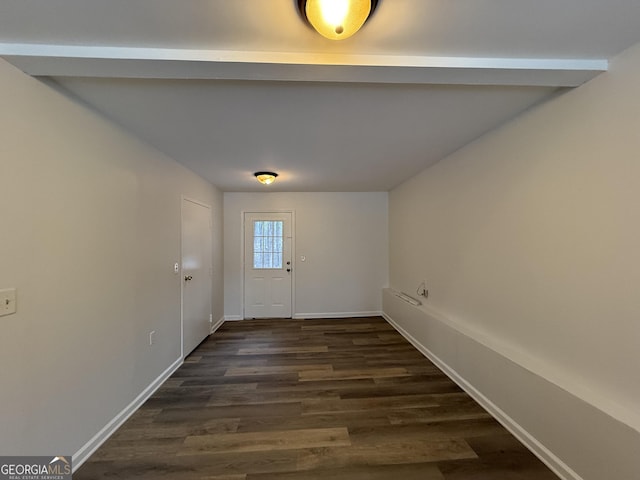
267	244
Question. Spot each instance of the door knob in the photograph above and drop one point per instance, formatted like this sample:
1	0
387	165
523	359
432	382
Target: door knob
188	278
288	269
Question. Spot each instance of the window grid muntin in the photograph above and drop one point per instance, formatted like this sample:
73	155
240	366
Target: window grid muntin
268	244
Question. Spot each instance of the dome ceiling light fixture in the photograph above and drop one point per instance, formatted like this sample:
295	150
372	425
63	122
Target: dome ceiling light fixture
336	19
266	178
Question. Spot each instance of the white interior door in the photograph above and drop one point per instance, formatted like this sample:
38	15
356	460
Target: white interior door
267	265
197	274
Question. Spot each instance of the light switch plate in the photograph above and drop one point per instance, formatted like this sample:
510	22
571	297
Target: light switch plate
7	301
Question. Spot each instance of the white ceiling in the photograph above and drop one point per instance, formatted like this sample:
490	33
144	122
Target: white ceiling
228	87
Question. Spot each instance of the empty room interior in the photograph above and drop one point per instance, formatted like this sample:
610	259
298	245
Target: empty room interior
209	202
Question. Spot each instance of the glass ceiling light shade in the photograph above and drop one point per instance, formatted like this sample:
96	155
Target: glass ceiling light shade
336	19
266	178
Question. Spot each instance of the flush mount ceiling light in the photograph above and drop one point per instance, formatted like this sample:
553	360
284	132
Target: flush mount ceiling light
336	19
266	178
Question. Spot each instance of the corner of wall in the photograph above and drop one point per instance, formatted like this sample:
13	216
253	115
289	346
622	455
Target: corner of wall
564	431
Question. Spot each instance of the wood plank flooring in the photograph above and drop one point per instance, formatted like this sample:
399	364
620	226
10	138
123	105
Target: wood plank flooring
311	399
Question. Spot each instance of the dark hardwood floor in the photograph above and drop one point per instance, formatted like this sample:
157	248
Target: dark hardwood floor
340	399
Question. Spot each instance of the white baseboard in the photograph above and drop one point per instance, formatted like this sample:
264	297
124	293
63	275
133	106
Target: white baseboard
217	325
99	438
302	316
577	439
543	453
337	315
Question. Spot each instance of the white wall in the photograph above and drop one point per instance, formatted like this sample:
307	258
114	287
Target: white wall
529	240
89	233
344	238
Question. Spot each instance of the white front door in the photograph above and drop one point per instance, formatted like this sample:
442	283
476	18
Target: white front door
196	274
267	265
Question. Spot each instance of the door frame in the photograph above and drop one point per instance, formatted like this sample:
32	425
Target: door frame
243	215
184	198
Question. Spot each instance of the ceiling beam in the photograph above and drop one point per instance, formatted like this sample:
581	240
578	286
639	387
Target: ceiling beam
161	63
